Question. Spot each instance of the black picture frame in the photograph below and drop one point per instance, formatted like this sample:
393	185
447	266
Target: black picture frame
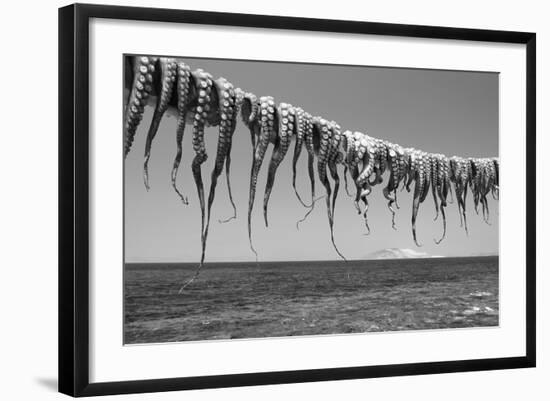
74	197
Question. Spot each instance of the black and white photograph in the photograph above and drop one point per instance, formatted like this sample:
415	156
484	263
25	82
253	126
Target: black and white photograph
264	200
274	199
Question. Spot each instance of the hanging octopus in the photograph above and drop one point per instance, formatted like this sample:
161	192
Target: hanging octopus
303	136
420	179
366	157
238	100
281	143
440	189
183	97
143	70
396	164
202	101
334	158
168	71
459	175
264	133
305	133
227	113
494	188
329	139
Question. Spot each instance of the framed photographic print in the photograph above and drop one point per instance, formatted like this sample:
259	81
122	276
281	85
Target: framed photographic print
250	199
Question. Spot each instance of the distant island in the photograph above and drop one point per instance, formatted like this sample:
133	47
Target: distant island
399	253
387	253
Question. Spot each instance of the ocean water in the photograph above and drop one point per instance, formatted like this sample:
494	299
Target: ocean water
276	299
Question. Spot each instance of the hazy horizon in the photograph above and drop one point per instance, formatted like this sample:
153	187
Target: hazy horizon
367	257
450	112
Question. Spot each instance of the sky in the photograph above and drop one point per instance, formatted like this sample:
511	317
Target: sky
449	112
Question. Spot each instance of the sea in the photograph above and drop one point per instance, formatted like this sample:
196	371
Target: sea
278	299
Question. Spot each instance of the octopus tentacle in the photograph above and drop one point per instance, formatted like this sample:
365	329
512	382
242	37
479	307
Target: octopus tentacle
308	136
484	189
143	69
255	132
326	131
460	178
442	190
411	168
451	197
447	180
444	217
267	132
334	158
495	186
427	164
167	69
340	161
486	184
363	154
391	200
416	203
287	124
474	179
239	96
402	160
350	160
204	87
346	185
249	112
494	183
356	154
226	108
203	83
459	188
300	138
348	141
334	173
367	153
183	90
364	197
306	215
420	185
454	178
310	147
434	178
389	191
380	151
465	174
489	166
442	193
322	127
481	179
228	183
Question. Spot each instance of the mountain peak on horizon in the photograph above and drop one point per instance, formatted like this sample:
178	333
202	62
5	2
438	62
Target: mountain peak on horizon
398	253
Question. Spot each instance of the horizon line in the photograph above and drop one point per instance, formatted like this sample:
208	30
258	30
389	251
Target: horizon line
305	261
